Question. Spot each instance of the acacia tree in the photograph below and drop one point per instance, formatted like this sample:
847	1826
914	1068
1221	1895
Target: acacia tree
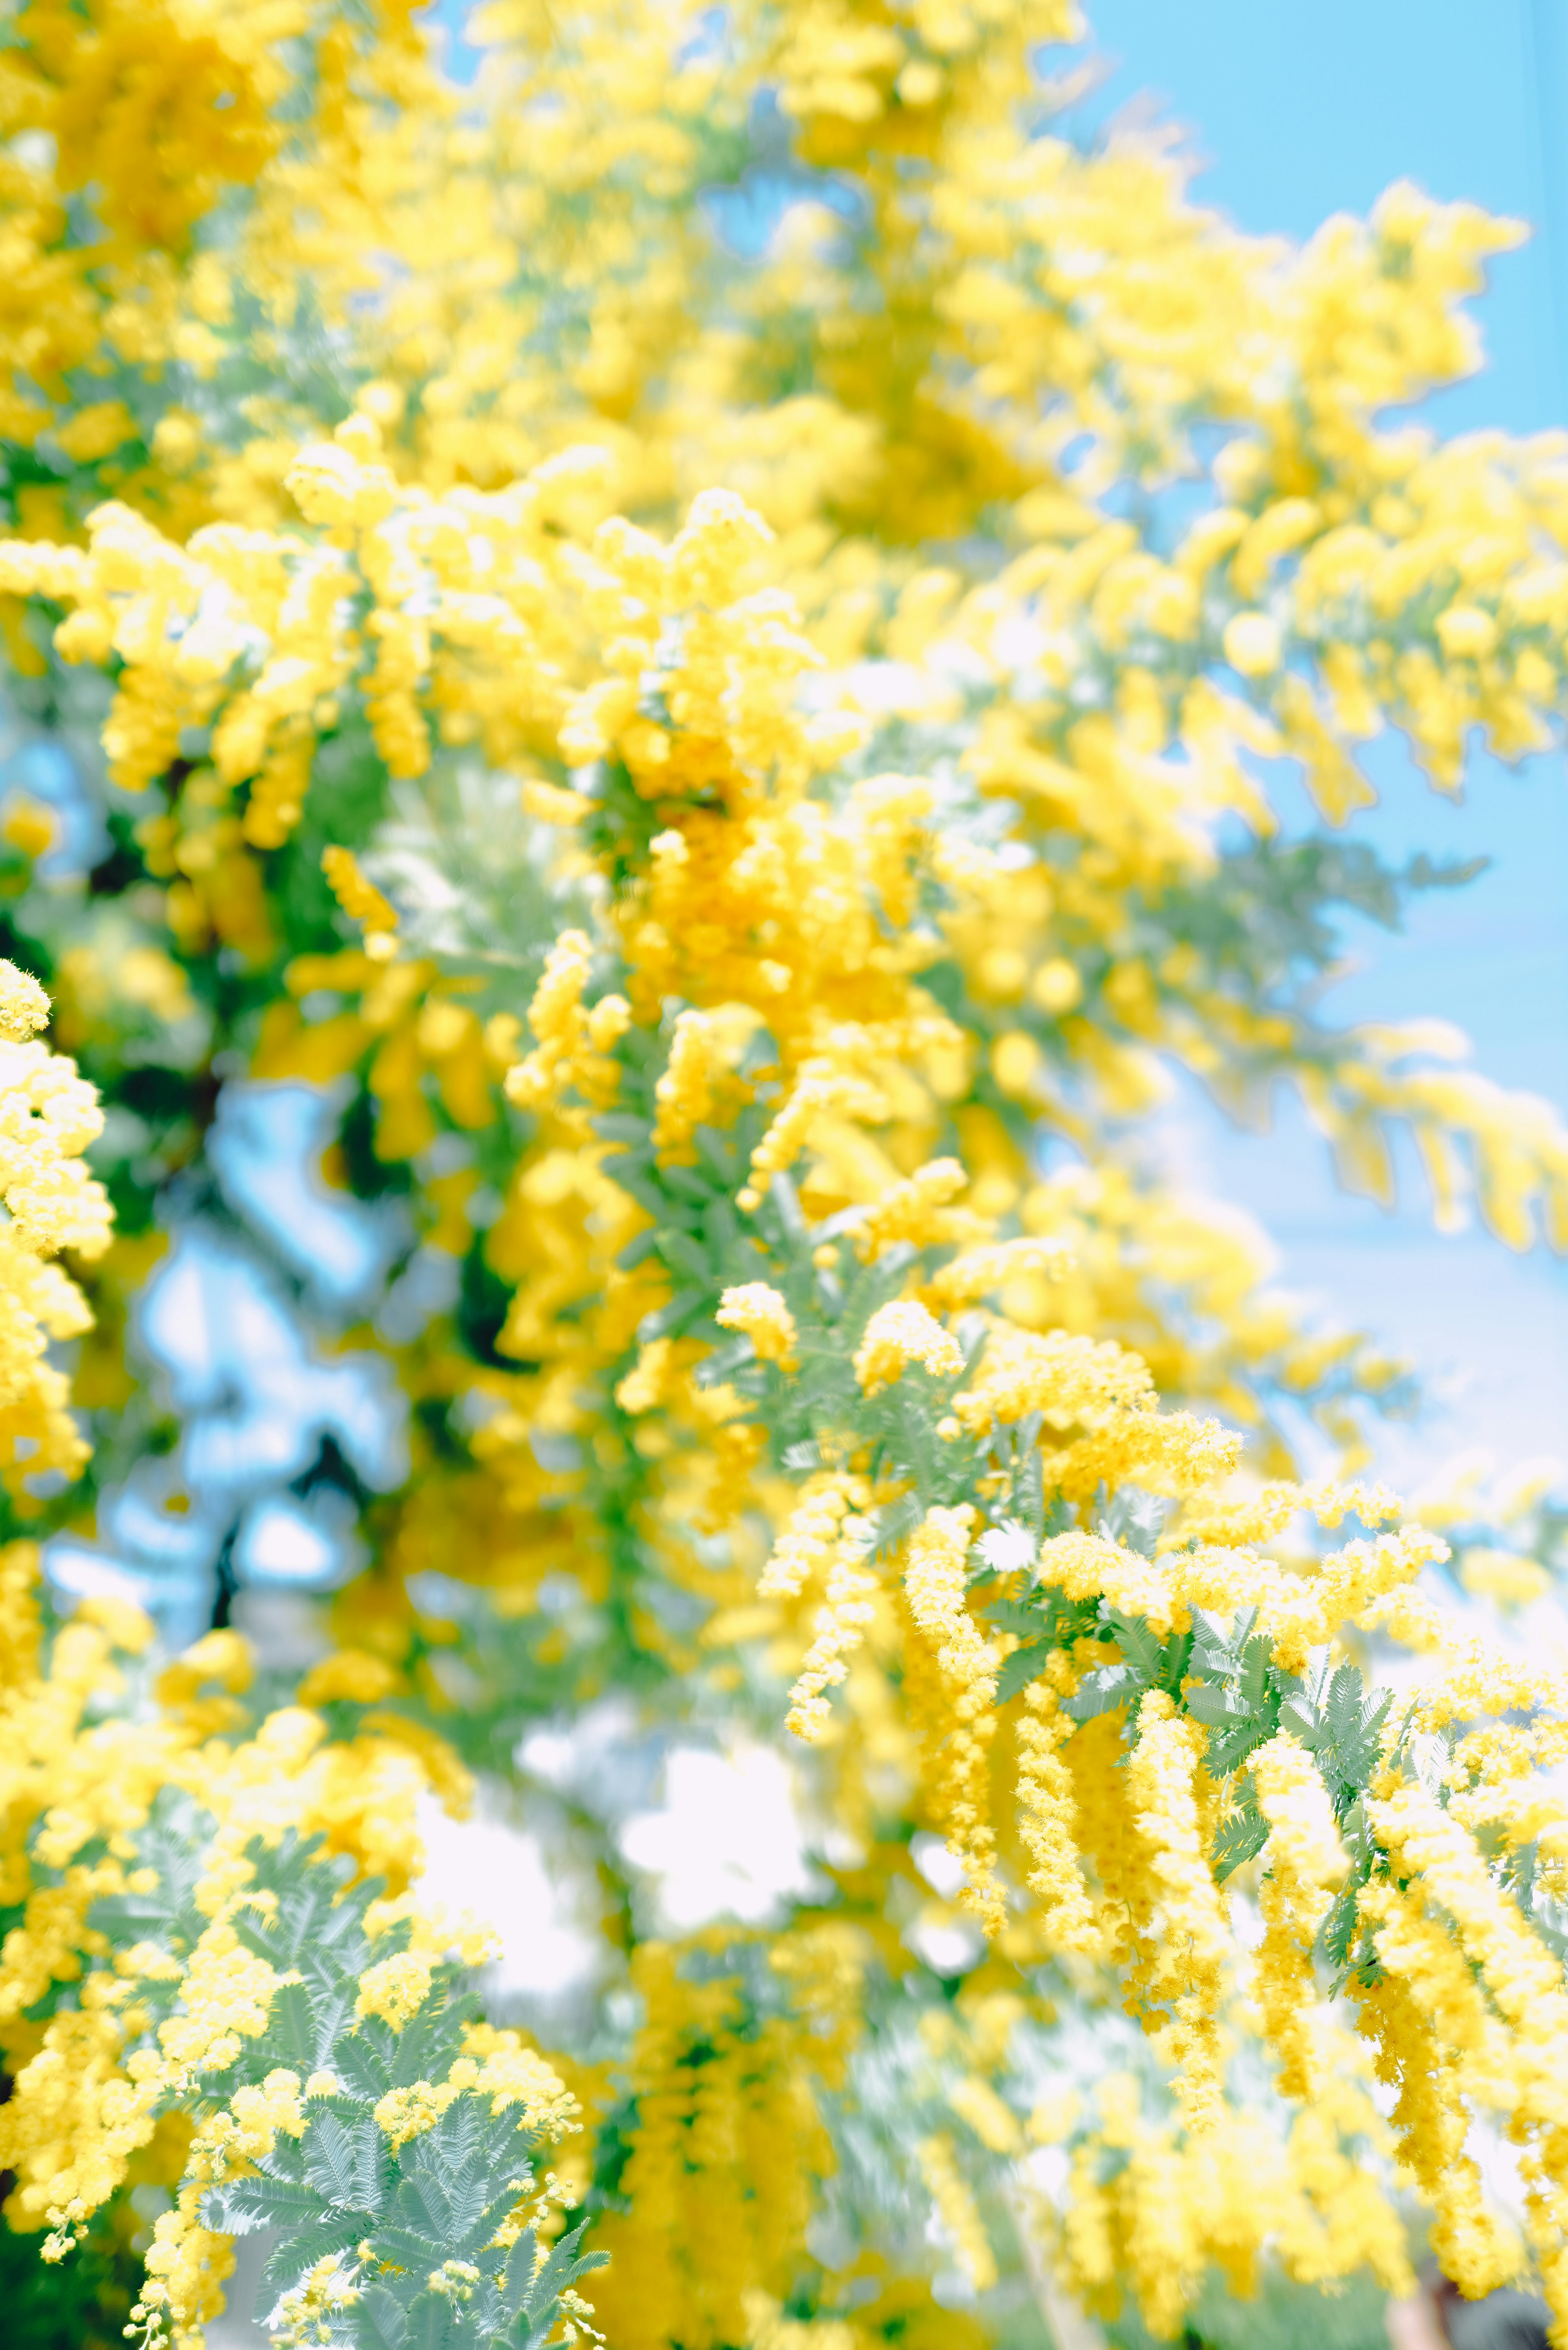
701	639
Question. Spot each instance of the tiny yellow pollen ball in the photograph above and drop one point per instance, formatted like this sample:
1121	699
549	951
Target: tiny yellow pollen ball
1056	986
1014	1058
921	83
1002	971
28	825
177	441
360	434
1465	633
761	1311
825	1256
1252	644
948	1429
381	401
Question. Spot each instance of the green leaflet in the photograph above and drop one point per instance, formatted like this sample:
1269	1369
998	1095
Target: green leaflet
1020	1668
1241	1836
1331	1711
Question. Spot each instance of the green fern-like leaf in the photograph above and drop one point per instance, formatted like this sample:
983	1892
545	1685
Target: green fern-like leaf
413	2229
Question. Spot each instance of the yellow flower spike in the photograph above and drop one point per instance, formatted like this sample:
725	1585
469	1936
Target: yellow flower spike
339	485
1164	1786
559	1023
362	902
1048	1824
809	1537
934	1583
956	2210
839	1628
685	1092
1304	1864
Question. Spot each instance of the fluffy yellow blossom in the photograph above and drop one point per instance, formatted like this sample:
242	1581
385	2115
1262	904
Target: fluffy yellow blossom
1252	643
1067	1377
351	1674
919	1212
980	1272
901	1333
555	1017
765	1318
404	2113
685	1090
395	1988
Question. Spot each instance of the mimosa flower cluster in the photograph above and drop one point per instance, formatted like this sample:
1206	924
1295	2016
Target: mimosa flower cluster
703	635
